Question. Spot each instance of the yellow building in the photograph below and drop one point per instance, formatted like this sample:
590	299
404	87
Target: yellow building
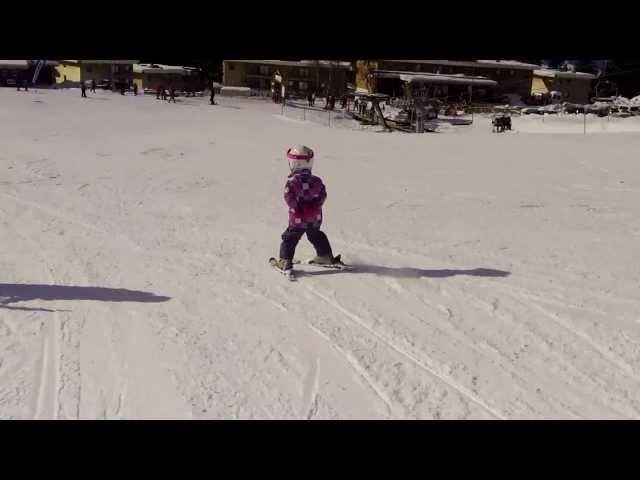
364	69
573	87
68	71
116	72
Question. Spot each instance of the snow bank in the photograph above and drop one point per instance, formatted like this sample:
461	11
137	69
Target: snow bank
626	102
235	91
557	124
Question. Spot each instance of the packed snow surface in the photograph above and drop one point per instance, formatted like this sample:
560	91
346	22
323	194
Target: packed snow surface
496	275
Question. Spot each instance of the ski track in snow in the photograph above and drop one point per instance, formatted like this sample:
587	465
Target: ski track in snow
448	381
48	389
360	371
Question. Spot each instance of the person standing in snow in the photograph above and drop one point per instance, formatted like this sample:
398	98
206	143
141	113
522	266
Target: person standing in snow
93	86
135	89
304	194
83	87
172	94
158	92
213	95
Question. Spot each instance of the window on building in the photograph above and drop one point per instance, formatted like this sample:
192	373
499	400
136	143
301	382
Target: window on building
303	85
512	72
116	68
232	66
263	69
304	72
89	69
291	83
498	72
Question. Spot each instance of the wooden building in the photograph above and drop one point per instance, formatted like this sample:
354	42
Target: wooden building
511	77
298	77
150	76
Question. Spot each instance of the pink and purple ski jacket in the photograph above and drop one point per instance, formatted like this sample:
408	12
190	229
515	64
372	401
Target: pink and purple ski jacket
304	193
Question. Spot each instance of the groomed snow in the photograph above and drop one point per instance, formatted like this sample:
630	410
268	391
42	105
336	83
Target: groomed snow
496	274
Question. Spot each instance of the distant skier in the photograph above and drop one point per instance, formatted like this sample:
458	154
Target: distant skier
83	87
164	93
135	89
172	94
212	99
93	86
305	194
158	92
310	99
26	85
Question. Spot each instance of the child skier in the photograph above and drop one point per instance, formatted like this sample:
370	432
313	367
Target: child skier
305	194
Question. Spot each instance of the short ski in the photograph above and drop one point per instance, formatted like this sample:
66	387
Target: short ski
336	265
287	273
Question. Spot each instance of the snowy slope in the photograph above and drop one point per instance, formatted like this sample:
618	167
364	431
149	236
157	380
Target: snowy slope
497	274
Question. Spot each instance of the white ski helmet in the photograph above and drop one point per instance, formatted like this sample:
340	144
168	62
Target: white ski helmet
300	157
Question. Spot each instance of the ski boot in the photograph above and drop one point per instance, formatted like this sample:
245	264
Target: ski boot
283	264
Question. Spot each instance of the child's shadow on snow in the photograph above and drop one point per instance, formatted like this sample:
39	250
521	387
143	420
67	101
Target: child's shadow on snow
14	293
408	272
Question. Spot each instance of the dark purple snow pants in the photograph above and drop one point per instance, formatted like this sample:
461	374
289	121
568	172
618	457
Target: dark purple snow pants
292	236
